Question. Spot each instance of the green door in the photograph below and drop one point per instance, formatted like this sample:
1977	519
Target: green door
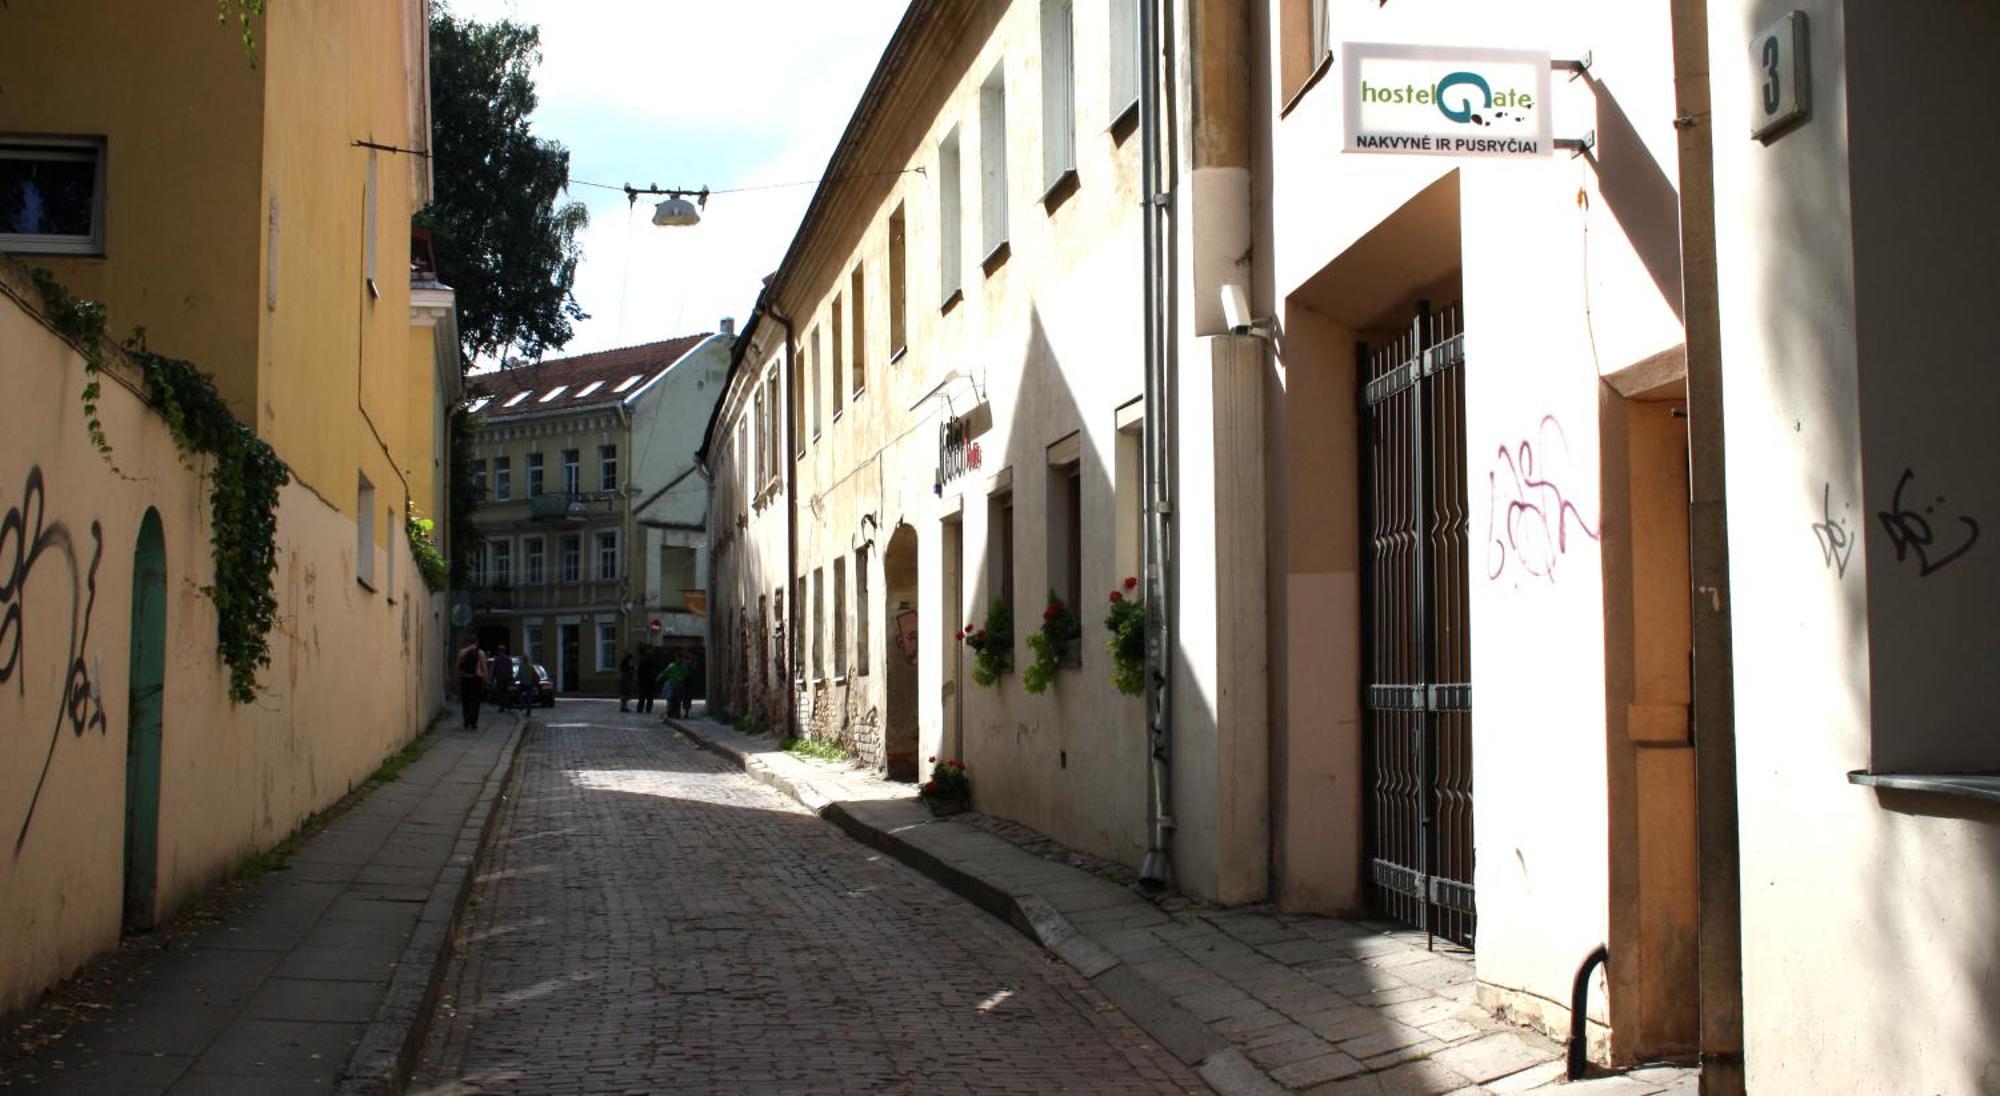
142	741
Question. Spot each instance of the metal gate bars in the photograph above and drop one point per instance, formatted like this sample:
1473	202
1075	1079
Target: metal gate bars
1418	741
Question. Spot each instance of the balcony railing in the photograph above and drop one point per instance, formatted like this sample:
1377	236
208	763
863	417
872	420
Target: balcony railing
558	507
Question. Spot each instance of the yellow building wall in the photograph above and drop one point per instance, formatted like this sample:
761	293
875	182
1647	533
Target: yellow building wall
234	778
339	73
179	107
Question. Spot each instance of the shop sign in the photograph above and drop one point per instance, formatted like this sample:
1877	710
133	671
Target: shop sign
957	452
1442	101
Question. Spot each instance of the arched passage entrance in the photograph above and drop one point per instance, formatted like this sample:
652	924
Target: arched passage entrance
142	736
899	612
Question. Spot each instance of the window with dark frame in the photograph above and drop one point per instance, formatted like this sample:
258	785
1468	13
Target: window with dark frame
834	338
898	285
52	195
857	303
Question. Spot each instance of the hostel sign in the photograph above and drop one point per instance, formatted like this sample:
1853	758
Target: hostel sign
1442	101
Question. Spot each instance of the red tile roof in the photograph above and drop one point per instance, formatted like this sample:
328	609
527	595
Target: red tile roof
610	368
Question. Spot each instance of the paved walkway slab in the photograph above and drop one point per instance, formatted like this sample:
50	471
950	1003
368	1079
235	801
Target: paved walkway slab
1254	1000
311	980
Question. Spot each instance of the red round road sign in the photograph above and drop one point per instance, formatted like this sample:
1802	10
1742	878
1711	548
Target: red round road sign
656	625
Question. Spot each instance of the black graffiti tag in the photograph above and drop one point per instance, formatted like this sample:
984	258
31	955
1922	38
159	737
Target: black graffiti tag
1910	531
1836	540
1529	516
25	539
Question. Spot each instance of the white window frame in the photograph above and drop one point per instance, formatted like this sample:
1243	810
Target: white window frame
566	572
951	220
503	478
607	467
503	561
69	150
597	553
1124	58
534	564
572	471
993	164
536	481
607	646
364	531
1058	95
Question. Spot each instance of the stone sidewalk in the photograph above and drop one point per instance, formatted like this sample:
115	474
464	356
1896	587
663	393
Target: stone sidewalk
1255	1001
313	979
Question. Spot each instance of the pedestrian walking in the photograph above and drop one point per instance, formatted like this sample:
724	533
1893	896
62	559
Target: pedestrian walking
648	682
677	673
471	682
500	677
628	672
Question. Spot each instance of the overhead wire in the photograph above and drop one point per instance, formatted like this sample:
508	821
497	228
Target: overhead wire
622	188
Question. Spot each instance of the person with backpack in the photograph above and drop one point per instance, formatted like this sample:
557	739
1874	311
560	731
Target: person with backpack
472	671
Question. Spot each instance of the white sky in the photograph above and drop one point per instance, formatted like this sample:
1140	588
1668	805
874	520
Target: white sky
686	94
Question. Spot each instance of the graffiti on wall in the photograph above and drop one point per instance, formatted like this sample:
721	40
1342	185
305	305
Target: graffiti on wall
1530	514
1911	534
27	540
1836	540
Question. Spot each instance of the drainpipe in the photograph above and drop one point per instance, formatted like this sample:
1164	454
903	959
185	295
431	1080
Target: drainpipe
1576	1049
1157	120
1719	918
629	526
705	558
791	516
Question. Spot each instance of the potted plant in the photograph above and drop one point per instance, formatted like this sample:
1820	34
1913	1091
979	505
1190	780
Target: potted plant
992	645
1127	623
949	790
1052	645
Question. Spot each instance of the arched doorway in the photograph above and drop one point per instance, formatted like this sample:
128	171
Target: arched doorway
142	737
899	612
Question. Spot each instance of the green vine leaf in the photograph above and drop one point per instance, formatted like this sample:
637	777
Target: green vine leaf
246	11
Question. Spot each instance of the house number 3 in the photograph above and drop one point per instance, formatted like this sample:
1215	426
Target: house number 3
1779	54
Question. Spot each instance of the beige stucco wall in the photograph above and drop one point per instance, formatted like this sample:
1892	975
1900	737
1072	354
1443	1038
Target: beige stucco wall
1046	342
1568	271
1852	350
235	778
748	535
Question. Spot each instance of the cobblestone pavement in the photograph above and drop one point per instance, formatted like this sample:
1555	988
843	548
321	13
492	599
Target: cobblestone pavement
650	919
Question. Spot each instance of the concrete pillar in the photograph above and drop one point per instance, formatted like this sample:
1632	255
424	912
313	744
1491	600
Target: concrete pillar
1221	780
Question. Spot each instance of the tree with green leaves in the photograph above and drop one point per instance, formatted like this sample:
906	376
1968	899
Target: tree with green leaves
503	229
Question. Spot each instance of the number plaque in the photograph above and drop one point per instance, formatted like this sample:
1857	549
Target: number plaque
1779	96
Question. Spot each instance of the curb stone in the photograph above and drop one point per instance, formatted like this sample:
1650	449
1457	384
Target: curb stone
382	1061
1187	1038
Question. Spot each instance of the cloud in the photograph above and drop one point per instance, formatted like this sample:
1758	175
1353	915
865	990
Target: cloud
673	93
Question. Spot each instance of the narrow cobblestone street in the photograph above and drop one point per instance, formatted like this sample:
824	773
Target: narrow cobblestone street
650	919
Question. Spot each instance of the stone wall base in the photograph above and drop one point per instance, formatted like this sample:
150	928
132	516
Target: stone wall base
1518	1006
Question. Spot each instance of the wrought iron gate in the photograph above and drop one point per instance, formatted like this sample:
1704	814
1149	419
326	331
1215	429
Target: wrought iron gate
1419	683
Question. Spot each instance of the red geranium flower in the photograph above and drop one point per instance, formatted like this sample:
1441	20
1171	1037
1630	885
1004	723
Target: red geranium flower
1131	582
1116	596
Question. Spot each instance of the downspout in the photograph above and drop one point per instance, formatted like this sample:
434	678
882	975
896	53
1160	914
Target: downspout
630	525
707	556
790	459
1157	119
1576	1049
1718	919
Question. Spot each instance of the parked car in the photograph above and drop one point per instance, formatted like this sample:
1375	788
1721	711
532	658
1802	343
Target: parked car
544	694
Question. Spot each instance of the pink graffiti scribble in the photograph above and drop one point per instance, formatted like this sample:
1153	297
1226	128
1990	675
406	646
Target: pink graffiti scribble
1529	515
